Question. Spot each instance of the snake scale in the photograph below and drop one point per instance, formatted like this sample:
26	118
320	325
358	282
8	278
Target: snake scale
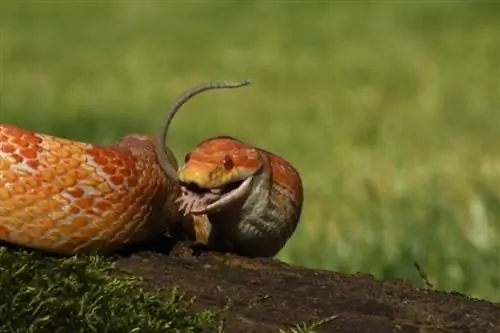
66	196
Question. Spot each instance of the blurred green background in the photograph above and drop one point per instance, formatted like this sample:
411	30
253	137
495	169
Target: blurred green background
390	112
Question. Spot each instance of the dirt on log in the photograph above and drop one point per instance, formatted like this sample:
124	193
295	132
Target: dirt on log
265	295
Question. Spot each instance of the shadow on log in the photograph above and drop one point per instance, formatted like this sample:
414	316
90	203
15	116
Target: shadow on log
265	295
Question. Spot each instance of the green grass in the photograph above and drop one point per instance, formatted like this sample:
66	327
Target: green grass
390	112
81	294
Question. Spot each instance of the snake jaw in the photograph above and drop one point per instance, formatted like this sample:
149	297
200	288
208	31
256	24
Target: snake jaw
196	200
208	187
225	199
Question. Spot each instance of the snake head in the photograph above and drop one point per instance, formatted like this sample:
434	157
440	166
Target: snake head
218	172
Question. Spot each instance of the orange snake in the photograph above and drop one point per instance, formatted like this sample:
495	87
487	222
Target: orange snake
66	196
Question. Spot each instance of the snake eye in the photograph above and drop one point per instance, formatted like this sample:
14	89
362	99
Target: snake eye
227	162
187	157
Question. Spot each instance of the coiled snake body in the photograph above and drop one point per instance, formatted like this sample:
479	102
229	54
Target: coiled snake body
66	196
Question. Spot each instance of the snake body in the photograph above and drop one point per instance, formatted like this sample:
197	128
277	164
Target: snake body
66	196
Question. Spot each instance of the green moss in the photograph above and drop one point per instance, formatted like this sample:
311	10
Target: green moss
82	294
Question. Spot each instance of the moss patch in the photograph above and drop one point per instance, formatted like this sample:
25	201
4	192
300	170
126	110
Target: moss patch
81	294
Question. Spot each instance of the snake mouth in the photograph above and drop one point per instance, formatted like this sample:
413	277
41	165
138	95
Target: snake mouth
197	200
